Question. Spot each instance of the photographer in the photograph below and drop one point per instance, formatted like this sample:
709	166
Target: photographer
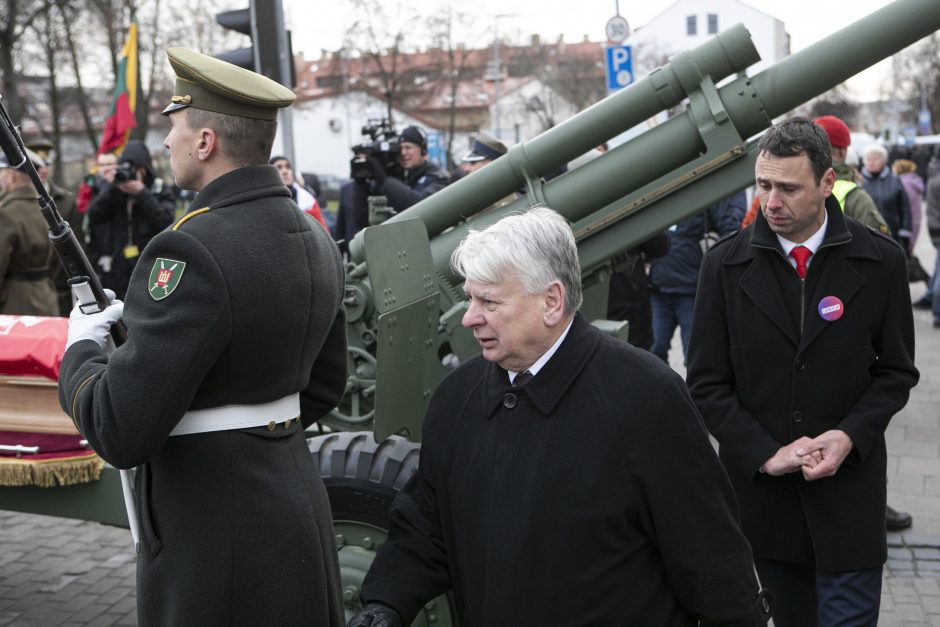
131	207
404	181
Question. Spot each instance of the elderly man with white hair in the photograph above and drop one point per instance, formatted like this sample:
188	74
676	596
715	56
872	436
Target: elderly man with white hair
566	477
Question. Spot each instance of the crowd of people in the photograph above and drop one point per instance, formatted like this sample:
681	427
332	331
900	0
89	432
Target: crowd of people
566	476
123	204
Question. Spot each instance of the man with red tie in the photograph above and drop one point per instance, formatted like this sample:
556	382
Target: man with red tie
802	350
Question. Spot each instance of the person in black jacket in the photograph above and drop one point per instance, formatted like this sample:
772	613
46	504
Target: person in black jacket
628	298
565	477
674	276
131	207
416	179
802	350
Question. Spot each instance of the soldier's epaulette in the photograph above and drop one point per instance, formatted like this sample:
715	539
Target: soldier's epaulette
189	215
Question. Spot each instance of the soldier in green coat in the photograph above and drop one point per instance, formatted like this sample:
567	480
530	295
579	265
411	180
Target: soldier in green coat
855	201
26	255
65	203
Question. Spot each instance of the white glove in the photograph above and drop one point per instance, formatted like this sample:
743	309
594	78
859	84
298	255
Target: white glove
96	326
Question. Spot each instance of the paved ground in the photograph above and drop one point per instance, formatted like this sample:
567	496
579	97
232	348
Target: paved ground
911	594
57	572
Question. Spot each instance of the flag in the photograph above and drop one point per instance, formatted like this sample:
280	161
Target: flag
121	120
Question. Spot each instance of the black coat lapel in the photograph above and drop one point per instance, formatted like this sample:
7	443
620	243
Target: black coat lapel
760	285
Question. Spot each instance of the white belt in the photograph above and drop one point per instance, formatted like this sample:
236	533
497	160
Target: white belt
230	417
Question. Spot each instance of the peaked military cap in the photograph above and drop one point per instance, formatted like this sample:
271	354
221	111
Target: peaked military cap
41	147
204	82
38	162
485	147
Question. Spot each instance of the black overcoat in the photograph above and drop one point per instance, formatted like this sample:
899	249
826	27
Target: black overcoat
236	526
590	496
760	383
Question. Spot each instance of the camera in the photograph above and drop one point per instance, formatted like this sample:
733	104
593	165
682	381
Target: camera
382	144
125	172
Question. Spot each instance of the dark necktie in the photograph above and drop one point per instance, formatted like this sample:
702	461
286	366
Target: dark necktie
801	255
521	379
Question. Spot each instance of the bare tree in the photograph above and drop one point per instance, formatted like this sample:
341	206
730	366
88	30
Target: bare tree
111	18
188	25
49	33
16	17
378	37
453	62
148	43
70	13
918	68
574	72
838	102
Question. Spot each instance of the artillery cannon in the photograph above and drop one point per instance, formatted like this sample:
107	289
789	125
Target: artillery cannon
404	306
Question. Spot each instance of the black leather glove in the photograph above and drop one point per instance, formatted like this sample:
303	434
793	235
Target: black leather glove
376	615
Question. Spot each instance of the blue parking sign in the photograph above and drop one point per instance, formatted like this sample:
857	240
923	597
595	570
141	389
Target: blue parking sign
619	67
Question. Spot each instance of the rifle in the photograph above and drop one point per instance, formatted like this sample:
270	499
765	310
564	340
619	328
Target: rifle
77	267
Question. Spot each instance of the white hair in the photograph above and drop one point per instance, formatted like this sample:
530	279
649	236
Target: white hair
875	149
537	247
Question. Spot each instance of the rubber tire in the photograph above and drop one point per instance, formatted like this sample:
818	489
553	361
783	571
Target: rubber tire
362	476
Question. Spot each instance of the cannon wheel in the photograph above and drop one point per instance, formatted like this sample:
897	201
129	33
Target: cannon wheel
362	478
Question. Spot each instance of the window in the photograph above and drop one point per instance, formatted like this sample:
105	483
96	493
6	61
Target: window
712	23
690	25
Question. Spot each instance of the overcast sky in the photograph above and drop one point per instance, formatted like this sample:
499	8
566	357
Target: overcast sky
319	25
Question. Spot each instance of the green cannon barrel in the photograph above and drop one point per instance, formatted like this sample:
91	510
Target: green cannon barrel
730	52
746	105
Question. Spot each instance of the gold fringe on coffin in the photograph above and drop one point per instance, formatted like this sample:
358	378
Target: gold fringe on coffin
48	473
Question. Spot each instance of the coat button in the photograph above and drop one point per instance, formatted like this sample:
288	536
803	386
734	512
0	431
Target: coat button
801	365
510	400
271	425
797	417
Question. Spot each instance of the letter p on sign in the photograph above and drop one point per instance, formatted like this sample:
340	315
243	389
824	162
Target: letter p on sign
619	67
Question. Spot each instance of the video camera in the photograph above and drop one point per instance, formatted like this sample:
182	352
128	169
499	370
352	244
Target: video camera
382	144
126	171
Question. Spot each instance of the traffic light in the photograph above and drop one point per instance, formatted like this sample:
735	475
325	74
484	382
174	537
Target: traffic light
270	53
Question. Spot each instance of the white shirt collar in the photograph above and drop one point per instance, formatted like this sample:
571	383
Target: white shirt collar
813	242
541	361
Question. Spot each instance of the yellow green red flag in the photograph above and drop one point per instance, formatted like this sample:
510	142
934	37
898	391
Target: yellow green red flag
121	120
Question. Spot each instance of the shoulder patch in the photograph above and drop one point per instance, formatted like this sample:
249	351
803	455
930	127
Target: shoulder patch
189	215
165	277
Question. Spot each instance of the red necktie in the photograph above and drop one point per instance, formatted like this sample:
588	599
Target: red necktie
801	255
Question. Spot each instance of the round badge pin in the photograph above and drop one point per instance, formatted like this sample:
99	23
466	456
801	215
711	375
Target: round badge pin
831	308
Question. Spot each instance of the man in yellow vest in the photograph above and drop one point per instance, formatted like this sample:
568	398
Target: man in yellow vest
855	201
